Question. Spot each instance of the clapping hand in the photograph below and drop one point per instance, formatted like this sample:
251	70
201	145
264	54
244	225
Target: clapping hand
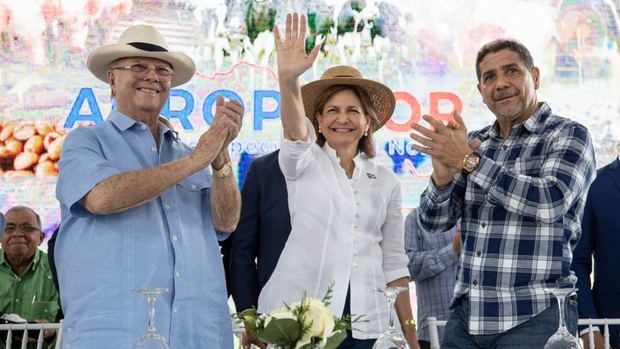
224	128
291	49
446	144
229	114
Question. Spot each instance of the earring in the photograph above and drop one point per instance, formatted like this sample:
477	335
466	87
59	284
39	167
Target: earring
320	130
366	133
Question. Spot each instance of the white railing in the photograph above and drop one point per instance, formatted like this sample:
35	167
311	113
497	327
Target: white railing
32	327
596	322
238	331
433	323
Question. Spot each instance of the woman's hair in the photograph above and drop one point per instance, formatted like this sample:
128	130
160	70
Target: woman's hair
366	144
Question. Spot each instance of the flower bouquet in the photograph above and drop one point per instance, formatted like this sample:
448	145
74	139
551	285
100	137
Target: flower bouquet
300	325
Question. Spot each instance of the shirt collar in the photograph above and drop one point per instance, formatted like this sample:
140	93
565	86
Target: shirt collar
533	124
333	156
120	120
33	264
124	122
536	122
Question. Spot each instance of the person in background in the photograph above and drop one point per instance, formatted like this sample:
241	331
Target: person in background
26	285
141	209
346	219
600	241
433	262
264	226
519	188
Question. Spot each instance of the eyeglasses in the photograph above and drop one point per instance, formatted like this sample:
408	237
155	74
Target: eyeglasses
26	228
141	69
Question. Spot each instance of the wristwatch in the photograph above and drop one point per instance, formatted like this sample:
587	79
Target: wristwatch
224	171
470	162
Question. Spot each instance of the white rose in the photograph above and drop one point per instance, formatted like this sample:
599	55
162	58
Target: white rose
281	313
322	320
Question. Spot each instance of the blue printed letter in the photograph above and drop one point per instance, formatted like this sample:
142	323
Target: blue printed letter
259	113
210	100
181	114
74	115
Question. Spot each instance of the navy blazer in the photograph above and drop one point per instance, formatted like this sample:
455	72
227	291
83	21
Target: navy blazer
263	229
600	238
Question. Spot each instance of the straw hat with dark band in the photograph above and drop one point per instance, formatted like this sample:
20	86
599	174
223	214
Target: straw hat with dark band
381	97
141	41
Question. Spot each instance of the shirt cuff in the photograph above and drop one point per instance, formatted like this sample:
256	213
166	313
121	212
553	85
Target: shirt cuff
395	274
447	254
436	194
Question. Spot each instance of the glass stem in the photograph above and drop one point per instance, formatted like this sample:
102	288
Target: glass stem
391	305
151	309
561	310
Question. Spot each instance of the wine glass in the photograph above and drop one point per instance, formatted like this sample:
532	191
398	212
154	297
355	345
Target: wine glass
391	338
562	339
151	339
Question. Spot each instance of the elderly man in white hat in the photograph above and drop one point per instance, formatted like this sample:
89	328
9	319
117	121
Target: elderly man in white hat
140	209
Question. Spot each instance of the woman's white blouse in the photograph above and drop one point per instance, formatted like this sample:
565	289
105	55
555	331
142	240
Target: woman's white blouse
343	231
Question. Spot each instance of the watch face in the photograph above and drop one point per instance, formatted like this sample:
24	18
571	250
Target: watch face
226	169
470	163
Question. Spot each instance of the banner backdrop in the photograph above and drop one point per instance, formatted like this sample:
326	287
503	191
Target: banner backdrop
424	50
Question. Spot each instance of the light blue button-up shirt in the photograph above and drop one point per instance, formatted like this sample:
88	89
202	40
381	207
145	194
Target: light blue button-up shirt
167	242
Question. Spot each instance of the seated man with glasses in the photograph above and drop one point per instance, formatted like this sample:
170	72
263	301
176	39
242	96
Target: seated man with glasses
26	286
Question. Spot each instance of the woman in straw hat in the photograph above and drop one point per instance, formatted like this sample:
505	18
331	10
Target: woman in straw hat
347	228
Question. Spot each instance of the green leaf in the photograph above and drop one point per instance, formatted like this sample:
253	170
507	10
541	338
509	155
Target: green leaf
249	317
281	332
334	341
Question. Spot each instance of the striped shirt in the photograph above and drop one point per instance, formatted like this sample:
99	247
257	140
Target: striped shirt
521	212
432	265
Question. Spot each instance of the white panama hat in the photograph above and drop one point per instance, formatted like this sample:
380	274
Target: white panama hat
141	41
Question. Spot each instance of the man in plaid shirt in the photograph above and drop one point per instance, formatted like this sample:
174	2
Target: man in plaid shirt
519	186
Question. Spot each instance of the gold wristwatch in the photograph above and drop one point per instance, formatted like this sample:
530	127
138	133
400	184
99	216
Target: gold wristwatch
470	162
223	171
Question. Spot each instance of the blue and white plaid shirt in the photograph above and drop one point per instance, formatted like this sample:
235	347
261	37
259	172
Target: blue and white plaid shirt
432	265
521	212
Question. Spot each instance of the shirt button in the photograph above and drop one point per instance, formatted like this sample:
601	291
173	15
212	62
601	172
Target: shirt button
177	274
175	238
193	186
16	300
67	345
154	149
69	329
475	283
478	253
355	253
168	207
355	192
484	225
354	265
357	216
356	227
357	203
144	127
175	309
505	147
